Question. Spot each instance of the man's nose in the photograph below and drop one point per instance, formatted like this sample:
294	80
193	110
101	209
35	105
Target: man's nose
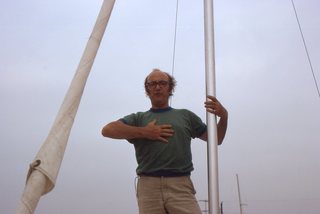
158	86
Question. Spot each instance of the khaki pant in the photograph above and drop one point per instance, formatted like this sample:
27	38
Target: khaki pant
167	195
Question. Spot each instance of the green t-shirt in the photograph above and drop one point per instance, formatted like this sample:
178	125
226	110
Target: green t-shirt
175	156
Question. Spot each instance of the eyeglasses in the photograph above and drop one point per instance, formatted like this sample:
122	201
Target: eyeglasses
161	83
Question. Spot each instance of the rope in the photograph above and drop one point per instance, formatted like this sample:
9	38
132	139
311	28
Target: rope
306	49
175	39
174	43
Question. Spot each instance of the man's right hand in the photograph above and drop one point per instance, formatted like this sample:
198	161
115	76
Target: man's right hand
158	132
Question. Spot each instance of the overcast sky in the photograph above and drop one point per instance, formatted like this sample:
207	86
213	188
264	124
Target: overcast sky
263	79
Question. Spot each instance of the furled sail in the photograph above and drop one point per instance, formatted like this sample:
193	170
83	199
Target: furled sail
44	169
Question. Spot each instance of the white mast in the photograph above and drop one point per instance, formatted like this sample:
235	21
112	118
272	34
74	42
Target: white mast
239	195
213	183
44	170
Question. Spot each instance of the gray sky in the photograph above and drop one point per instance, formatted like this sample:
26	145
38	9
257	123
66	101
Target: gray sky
263	79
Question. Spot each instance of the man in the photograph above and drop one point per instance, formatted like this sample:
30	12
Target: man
162	137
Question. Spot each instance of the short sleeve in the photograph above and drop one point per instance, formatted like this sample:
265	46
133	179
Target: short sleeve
197	125
130	119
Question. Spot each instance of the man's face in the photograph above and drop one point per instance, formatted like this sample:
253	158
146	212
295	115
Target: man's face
158	86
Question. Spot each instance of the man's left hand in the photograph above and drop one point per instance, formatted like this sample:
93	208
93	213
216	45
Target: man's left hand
215	107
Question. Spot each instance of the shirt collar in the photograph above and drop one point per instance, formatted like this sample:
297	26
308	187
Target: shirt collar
160	110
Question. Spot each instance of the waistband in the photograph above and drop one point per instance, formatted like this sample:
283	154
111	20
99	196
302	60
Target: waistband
165	173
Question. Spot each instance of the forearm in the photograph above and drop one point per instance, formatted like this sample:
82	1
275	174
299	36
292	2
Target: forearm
119	130
222	128
215	107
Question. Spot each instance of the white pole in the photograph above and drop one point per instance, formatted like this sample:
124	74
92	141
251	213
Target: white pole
213	183
239	195
44	170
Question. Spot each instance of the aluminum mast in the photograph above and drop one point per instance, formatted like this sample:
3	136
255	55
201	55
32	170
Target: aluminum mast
212	150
